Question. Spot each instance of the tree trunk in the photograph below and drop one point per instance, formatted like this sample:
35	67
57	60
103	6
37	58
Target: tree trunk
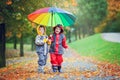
84	30
75	33
2	45
21	46
79	32
91	30
69	36
15	41
32	43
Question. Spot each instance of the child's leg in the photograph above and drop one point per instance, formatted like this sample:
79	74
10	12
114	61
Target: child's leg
60	60
41	62
54	63
42	59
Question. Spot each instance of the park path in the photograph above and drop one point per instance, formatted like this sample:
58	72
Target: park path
75	67
113	37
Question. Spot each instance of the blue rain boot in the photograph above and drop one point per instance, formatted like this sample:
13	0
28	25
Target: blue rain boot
54	68
59	69
41	69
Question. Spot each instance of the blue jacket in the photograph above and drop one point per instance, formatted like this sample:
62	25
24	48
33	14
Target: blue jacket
41	46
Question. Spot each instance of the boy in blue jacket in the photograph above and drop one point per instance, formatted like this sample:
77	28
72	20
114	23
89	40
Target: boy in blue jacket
41	42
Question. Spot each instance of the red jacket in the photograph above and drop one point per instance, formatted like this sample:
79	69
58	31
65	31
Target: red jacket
58	43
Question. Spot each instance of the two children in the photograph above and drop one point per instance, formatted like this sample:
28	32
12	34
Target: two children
58	42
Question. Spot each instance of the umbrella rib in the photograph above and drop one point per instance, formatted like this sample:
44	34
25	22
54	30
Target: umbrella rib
66	20
70	18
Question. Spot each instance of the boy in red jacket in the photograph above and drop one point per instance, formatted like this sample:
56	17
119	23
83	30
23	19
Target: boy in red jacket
58	42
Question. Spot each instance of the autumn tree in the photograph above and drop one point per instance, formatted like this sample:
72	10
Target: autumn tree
113	18
90	14
111	22
14	14
113	25
2	45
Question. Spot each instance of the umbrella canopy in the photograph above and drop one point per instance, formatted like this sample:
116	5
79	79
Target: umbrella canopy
51	16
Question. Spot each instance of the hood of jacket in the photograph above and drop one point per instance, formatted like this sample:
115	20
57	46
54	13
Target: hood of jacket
39	32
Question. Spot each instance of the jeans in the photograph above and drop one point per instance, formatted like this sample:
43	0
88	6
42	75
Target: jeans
42	59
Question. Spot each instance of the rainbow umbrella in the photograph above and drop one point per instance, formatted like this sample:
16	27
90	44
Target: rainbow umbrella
51	16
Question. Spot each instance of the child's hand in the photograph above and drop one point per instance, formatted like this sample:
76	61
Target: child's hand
45	40
50	36
66	50
49	41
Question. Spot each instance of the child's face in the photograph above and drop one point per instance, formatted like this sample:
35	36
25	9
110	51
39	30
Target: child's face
42	30
57	30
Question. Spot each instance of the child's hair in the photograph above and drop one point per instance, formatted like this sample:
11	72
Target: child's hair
38	29
60	26
42	26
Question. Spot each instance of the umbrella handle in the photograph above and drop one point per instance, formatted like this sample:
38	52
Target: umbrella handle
52	19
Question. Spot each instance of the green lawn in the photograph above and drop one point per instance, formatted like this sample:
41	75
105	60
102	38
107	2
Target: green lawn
97	47
12	53
27	47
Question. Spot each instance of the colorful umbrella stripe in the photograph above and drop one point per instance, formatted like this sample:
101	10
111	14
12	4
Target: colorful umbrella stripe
52	16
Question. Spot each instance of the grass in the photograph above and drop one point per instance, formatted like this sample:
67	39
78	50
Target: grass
12	53
97	47
27	47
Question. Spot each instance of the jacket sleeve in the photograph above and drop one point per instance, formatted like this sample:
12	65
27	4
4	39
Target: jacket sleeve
38	41
64	44
48	41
